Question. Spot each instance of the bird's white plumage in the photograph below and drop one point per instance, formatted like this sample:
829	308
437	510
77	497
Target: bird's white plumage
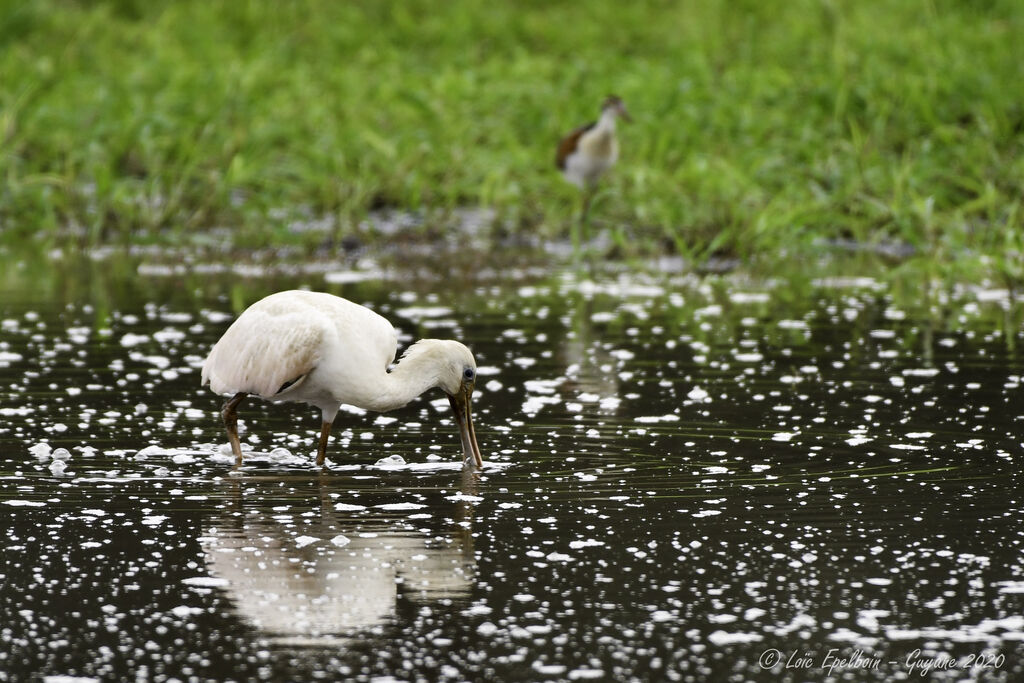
323	350
306	336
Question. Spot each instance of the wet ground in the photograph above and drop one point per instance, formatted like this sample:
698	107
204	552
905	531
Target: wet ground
688	478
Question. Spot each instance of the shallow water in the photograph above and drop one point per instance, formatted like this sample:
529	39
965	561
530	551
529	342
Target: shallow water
687	479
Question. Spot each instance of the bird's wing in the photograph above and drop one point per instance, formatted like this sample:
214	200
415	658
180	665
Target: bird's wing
265	352
569	143
366	341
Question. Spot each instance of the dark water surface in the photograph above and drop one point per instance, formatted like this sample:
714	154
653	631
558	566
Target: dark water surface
721	478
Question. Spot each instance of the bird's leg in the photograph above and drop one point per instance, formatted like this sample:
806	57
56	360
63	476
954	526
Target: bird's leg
580	233
574	235
230	414
588	195
321	450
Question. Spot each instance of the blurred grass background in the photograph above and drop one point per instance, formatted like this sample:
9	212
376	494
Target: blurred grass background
759	125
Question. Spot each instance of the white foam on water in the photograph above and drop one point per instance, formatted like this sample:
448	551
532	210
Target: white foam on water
348	507
8	357
697	394
205	581
132	339
559	557
390	461
464	497
721	638
417	313
400	506
651	419
548	669
342	277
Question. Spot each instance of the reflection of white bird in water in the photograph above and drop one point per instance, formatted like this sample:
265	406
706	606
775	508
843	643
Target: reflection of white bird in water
309	576
320	592
323	350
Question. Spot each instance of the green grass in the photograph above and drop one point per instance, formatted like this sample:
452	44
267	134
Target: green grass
760	126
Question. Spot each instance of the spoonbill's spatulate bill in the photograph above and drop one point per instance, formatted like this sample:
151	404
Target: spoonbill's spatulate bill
324	350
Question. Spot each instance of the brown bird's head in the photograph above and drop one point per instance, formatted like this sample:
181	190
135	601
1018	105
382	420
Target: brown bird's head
615	104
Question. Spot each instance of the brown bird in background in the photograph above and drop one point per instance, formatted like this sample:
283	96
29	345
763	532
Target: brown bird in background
585	154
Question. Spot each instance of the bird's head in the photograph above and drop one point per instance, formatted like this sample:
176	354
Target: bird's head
455	370
615	105
456	366
459	380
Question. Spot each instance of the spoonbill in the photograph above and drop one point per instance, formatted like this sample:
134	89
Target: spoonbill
321	349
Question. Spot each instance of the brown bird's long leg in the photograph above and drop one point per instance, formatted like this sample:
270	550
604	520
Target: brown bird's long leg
588	197
581	229
230	414
321	450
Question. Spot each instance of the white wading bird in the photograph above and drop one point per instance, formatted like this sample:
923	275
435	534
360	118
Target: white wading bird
323	350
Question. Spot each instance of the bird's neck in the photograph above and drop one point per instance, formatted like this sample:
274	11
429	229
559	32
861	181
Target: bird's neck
407	380
607	120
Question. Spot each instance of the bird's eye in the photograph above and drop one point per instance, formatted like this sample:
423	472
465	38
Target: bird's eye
469	374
